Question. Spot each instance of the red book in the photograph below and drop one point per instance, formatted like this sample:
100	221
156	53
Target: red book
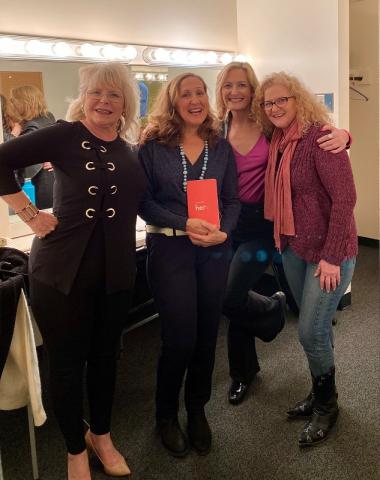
202	200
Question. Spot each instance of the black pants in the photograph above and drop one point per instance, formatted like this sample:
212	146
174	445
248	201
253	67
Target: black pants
188	284
254	250
82	328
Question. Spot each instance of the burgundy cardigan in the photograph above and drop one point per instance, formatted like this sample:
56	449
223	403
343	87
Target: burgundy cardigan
323	196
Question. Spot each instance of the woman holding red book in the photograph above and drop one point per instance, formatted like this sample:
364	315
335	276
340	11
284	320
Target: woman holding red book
253	238
188	258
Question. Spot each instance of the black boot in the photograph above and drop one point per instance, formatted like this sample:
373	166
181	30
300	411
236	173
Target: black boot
237	391
268	314
172	437
199	432
325	411
302	409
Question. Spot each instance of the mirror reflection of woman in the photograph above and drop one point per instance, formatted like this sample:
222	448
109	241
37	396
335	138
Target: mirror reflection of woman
310	195
187	258
10	128
82	262
253	238
29	110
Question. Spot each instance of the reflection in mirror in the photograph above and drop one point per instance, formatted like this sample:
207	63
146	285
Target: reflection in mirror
59	83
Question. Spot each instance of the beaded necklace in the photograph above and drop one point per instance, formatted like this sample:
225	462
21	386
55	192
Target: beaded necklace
184	165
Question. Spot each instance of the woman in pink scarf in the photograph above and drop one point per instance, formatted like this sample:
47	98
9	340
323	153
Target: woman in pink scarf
253	245
310	197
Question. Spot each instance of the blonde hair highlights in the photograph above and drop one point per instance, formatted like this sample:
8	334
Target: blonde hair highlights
165	124
27	102
111	74
221	108
309	110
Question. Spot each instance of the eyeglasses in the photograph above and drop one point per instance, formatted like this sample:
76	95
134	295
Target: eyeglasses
279	102
113	97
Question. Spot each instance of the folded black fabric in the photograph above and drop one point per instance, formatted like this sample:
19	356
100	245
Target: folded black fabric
13	268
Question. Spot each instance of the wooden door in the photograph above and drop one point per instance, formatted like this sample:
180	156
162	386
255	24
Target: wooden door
9	80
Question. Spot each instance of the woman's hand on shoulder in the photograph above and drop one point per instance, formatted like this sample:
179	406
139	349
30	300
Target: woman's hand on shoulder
16	129
43	224
335	141
329	275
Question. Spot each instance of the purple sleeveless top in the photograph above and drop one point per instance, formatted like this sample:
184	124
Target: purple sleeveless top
251	171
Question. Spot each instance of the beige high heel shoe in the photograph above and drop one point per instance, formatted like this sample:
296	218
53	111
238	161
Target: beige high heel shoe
121	469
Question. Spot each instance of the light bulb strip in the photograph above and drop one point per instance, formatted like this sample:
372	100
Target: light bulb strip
20	47
44	48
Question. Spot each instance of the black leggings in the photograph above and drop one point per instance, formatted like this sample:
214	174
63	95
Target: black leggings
84	326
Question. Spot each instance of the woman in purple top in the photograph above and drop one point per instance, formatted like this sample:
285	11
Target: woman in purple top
253	238
310	195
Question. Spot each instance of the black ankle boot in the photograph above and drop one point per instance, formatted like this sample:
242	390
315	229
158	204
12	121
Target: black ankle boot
325	411
172	437
199	432
302	409
237	391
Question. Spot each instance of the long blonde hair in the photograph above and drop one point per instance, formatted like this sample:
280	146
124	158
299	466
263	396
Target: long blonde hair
112	74
309	110
27	102
221	108
165	124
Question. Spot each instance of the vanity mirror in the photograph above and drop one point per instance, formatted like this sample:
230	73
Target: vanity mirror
59	83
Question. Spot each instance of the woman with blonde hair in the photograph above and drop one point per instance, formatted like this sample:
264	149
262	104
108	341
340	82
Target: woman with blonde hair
28	109
10	130
188	258
251	315
82	262
310	196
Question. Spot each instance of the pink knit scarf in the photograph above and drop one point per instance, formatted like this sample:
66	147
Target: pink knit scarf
278	193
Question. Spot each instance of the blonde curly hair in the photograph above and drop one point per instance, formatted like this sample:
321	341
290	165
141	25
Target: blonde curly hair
113	74
165	124
309	110
26	102
221	109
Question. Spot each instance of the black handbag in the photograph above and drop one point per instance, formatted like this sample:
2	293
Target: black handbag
265	316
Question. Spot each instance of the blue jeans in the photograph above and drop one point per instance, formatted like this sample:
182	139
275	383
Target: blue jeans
317	308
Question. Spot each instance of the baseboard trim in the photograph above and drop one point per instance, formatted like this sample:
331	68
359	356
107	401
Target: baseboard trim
369	242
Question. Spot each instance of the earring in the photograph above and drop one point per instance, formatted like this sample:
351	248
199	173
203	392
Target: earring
123	114
82	108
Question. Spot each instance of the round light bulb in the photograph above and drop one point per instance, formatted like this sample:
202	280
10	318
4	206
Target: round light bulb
63	49
211	57
110	52
179	56
196	58
89	50
161	55
129	53
225	58
36	47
